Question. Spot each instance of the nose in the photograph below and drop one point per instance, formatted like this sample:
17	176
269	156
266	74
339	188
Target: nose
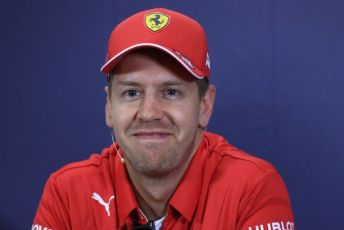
150	108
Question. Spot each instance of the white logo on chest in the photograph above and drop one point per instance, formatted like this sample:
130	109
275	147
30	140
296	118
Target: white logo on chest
98	198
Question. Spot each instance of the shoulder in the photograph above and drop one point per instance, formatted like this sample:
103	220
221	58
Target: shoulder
76	173
236	166
68	193
249	187
245	176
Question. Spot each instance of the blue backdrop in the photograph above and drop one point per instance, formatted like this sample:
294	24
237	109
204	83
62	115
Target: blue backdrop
277	65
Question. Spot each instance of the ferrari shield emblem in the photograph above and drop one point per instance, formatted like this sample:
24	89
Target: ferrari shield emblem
156	21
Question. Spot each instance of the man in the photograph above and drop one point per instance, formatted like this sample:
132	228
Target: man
165	171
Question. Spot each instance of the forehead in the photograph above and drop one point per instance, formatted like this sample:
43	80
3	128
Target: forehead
150	64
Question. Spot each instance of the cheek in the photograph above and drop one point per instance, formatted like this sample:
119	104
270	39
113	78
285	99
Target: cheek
186	116
122	115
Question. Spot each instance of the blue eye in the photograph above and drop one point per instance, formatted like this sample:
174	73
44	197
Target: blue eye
171	92
132	93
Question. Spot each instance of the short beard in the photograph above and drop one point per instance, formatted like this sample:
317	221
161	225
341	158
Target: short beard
167	163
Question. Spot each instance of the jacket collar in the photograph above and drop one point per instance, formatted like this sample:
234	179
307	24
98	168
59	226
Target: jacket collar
186	196
125	198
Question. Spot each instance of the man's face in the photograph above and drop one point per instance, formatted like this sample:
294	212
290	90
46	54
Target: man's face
156	113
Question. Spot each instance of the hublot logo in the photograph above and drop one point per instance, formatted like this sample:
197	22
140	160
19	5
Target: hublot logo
274	226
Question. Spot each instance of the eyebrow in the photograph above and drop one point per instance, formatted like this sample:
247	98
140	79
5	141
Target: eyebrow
176	83
166	83
128	83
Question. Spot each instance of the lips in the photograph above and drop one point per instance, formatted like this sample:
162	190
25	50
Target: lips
151	135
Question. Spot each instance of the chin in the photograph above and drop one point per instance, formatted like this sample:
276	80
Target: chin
155	173
155	169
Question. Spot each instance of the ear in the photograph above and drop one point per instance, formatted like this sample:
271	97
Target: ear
108	113
206	106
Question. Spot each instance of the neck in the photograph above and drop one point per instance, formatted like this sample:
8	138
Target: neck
153	194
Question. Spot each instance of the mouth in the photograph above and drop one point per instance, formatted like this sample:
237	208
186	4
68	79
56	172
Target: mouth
152	135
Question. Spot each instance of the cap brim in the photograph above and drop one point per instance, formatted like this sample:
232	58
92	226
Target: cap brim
109	65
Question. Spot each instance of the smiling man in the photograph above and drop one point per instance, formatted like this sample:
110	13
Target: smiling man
165	171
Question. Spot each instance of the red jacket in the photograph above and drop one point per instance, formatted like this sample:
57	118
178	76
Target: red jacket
223	188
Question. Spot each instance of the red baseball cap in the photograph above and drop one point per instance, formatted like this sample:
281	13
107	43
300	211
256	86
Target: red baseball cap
174	33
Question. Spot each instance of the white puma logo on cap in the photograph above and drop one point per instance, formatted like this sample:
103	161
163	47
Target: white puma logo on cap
98	198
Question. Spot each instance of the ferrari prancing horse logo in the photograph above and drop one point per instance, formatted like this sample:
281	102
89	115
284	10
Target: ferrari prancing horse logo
156	21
